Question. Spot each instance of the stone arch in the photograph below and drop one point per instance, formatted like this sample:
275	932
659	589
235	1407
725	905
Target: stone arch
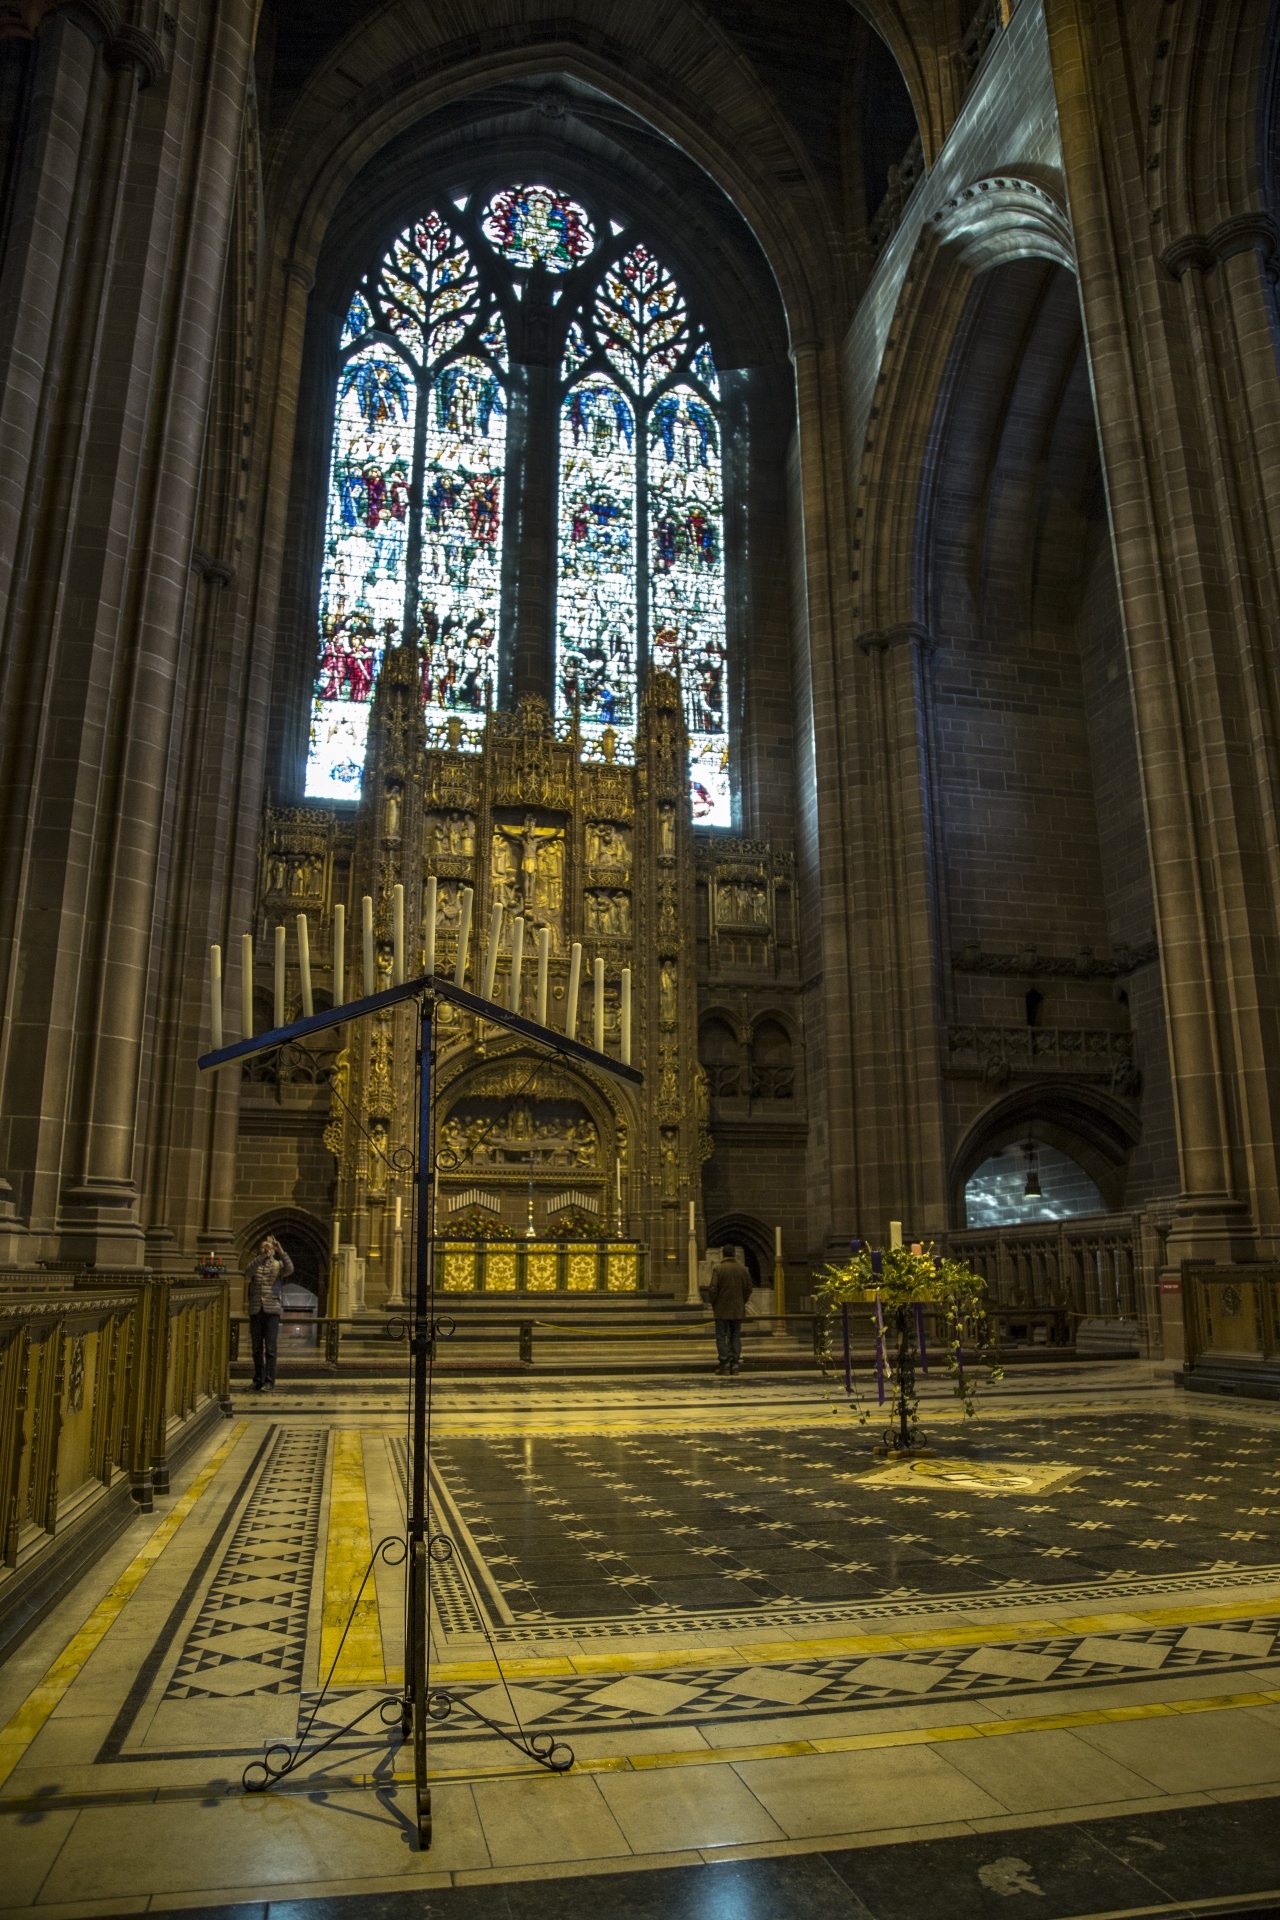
304	1238
987	224
1006	216
1095	1129
500	1075
752	1235
722	1052
773	1052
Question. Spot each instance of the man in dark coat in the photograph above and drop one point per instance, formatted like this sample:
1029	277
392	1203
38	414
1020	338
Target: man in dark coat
728	1294
264	1277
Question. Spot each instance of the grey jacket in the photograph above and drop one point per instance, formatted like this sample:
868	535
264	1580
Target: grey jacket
730	1290
265	1276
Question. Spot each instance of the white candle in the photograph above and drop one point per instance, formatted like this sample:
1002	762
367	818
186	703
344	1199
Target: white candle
304	966
626	1016
575	979
397	935
895	1233
399	1215
777	1243
597	1011
366	917
246	985
617	1176
429	911
693	1217
544	965
517	960
215	998
279	977
464	935
337	1236
491	957
339	955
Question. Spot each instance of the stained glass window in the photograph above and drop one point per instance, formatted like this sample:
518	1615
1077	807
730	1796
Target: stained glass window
597	577
418	468
414	526
641	517
362	592
536	226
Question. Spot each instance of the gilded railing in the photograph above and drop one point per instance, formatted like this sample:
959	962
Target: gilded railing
103	1377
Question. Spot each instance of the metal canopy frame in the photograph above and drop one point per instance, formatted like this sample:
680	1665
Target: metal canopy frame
426	990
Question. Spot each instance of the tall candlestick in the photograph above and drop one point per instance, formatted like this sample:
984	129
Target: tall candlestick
517	960
279	978
464	935
575	980
246	985
491	957
693	1296
304	966
339	955
625	1016
335	1251
397	935
215	997
366	928
544	965
597	1010
429	924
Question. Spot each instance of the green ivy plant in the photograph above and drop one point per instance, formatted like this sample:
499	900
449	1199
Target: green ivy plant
956	1297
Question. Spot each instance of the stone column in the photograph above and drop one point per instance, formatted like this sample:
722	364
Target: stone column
900	953
1177	315
95	609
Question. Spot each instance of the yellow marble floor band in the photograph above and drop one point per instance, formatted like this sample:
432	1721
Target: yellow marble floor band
360	1659
26	1723
896	1737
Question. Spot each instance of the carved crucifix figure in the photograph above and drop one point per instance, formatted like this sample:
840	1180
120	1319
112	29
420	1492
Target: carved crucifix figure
523	841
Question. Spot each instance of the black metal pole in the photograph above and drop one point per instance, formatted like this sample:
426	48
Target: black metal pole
418	1597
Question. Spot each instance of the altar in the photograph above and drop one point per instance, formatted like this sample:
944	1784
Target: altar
551	871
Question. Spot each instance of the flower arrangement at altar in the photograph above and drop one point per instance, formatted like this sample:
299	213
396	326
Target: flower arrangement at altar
477	1224
901	1284
576	1224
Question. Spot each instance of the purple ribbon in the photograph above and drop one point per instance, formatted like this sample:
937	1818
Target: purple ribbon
879	1346
924	1358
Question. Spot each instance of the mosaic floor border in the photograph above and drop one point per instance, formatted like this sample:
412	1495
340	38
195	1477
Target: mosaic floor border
1085	1596
723	1692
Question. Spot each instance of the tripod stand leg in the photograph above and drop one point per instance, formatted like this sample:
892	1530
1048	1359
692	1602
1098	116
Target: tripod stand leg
416	1667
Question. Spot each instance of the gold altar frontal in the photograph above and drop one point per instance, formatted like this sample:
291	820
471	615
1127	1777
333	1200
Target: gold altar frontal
532	1266
550	1177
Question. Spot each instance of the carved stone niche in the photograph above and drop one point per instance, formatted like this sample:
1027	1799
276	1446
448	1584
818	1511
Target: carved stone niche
296	861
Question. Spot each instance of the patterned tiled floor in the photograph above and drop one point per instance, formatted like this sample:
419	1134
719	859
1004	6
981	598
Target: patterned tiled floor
750	1631
249	1635
630	1527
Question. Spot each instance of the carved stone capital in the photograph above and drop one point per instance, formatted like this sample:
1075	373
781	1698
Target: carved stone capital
216	572
1203	252
123	44
299	271
908	633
